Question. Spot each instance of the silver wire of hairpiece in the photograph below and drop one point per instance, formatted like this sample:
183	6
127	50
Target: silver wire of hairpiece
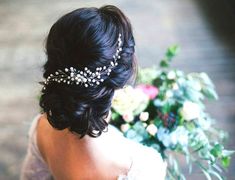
86	77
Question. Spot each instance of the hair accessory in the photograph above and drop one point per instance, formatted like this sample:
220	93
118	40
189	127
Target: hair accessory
86	77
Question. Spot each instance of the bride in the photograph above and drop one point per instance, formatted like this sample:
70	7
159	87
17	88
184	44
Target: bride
90	54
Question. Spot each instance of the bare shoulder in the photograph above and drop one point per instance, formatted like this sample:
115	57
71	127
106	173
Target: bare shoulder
42	135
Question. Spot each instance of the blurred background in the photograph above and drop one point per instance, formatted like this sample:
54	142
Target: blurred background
204	29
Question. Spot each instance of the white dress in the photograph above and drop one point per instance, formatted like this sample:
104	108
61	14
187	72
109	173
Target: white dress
147	163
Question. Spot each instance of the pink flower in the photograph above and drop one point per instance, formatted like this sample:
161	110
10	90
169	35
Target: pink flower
149	90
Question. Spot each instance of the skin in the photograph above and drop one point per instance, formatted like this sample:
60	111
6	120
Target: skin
69	157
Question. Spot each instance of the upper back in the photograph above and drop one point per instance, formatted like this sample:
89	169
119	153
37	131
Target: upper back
70	158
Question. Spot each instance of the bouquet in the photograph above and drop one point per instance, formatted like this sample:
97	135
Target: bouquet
166	111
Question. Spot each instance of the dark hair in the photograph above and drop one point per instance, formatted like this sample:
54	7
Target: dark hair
86	37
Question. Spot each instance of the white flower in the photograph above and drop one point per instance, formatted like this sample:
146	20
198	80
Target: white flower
179	136
169	94
164	136
124	127
197	86
144	116
128	100
171	75
175	86
167	141
145	125
183	139
128	117
152	129
162	132
201	137
190	111
204	123
173	138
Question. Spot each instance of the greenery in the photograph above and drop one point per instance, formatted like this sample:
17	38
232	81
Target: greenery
166	111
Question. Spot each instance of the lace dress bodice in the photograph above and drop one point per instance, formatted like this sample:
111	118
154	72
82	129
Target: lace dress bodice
147	163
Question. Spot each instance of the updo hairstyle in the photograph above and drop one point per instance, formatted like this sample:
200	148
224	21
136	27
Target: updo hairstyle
86	37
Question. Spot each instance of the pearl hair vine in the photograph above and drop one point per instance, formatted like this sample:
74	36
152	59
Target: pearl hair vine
86	77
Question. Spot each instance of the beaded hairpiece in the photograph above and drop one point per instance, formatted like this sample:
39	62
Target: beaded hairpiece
86	77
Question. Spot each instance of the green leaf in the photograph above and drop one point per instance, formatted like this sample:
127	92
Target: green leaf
217	150
164	64
166	108
172	51
157	121
147	75
225	161
114	115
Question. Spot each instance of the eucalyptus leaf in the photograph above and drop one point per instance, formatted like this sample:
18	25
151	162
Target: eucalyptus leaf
216	174
206	80
210	93
208	177
227	153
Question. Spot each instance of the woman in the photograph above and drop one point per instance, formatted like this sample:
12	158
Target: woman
90	54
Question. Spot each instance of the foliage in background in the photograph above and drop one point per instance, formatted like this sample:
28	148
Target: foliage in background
166	111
